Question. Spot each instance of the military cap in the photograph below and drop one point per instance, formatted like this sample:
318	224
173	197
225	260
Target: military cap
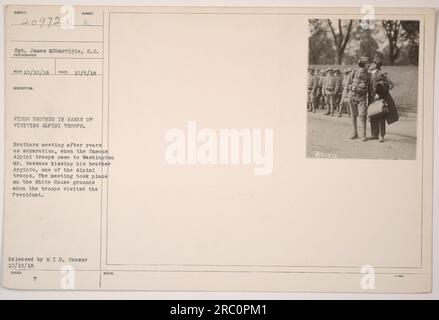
347	70
329	69
363	61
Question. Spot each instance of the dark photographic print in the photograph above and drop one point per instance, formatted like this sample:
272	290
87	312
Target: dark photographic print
362	98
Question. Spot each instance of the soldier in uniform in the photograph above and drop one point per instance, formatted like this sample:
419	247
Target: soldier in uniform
379	89
317	90
311	81
324	95
358	84
330	82
344	103
338	90
322	88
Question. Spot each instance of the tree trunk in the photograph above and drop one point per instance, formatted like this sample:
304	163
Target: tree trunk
391	54
392	32
339	58
340	39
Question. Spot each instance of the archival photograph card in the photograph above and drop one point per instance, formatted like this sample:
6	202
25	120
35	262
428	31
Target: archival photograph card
218	149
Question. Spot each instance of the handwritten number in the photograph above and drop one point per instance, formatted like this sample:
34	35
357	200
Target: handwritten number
43	22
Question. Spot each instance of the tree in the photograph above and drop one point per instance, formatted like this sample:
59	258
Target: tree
410	35
341	37
368	45
321	49
392	28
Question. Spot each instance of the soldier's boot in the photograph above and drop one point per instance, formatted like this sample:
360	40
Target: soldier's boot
381	139
354	125
363	130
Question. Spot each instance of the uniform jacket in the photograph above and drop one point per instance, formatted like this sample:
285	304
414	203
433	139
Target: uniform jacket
338	84
317	85
358	84
379	85
330	83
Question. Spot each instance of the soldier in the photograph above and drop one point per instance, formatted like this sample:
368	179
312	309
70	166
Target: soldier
344	103
311	80
338	90
330	82
322	88
317	90
358	84
379	89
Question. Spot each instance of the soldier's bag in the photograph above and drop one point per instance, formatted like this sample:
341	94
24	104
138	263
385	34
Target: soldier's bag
377	108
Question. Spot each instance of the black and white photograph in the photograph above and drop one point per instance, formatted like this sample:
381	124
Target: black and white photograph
362	89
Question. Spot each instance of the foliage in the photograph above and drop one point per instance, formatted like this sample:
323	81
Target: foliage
339	41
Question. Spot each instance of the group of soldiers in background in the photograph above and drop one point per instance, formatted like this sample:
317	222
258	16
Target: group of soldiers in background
352	91
327	90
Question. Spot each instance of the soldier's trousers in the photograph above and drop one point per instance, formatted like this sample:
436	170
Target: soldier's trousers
358	106
331	102
310	95
378	126
337	100
326	100
317	100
